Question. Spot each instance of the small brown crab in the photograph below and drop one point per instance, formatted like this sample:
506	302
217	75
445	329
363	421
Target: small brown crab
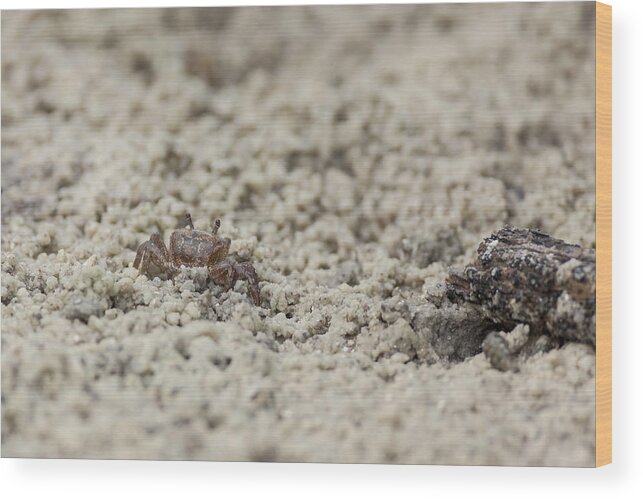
196	248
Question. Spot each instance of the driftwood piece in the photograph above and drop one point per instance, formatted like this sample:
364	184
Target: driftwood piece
524	276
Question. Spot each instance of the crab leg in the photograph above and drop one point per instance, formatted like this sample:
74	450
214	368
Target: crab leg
153	252
227	272
246	271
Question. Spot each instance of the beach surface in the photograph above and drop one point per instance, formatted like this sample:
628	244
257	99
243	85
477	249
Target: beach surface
354	155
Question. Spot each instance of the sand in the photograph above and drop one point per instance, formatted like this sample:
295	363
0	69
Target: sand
353	154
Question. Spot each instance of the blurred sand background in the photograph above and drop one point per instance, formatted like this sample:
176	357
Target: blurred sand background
352	153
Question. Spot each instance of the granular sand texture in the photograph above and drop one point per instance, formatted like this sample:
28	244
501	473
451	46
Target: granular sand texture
353	155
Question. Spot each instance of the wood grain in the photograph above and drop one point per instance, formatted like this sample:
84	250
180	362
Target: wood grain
603	234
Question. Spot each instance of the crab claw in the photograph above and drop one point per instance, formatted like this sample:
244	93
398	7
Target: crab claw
227	272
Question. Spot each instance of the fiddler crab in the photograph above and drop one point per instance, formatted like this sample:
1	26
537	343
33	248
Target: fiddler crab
191	247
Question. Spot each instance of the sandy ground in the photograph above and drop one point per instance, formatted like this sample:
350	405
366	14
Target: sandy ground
353	154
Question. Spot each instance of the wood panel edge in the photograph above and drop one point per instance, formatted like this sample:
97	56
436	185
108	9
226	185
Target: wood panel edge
603	234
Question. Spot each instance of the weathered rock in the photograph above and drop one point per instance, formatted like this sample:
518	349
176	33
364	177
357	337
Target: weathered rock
524	276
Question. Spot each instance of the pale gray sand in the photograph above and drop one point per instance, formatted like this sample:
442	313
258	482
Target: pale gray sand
353	154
